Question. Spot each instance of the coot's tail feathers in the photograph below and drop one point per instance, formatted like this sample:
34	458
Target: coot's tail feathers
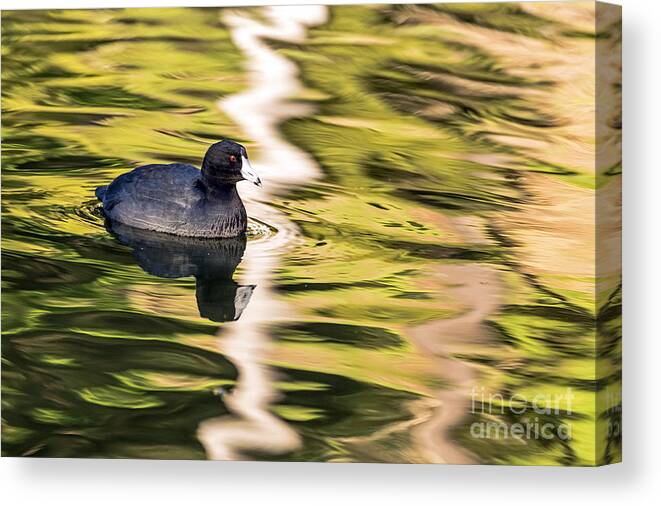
101	192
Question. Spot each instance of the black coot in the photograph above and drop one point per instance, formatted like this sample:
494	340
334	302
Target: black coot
179	199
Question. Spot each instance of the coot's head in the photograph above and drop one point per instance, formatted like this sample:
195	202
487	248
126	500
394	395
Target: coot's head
226	162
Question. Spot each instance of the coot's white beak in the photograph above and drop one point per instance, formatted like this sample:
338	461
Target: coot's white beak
248	173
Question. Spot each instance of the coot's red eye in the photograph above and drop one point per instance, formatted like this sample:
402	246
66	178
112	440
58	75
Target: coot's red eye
232	158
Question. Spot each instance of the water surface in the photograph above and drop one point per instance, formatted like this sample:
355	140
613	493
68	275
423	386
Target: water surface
421	253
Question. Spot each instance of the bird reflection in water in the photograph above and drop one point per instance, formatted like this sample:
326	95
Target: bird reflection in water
211	261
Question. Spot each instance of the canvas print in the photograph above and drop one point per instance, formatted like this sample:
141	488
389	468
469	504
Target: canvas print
349	233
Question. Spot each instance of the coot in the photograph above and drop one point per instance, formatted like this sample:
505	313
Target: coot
179	199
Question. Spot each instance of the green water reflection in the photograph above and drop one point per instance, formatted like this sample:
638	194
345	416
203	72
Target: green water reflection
446	158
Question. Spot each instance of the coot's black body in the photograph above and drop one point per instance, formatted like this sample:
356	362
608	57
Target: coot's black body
179	199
